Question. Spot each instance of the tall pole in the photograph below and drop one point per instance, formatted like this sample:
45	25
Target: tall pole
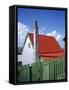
36	56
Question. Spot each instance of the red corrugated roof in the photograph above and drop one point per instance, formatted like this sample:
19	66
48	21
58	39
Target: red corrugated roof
48	46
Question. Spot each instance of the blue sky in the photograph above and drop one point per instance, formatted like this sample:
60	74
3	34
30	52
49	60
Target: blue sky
50	22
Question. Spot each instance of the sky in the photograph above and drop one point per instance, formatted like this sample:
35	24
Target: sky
50	22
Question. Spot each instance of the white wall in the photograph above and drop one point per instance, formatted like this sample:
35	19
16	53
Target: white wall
28	53
4	44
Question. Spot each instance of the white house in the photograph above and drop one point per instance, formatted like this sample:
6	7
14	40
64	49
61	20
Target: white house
29	53
36	46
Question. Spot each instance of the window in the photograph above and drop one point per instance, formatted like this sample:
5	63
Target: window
29	45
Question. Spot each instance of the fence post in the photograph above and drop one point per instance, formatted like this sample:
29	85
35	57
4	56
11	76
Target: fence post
41	70
30	73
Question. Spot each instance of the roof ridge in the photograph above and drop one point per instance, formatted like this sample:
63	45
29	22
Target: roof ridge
41	34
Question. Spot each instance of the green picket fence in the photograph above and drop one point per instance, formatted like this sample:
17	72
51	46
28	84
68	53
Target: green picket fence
54	69
35	72
23	73
42	70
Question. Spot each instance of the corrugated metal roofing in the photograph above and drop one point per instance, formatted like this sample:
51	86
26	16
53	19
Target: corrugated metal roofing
48	46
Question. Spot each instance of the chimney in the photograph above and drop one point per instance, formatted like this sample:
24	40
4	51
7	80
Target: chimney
36	56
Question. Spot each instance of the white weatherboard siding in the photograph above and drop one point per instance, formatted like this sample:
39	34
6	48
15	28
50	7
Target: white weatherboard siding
19	58
28	53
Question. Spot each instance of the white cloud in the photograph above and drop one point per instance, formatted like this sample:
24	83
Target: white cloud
42	30
22	32
58	37
55	34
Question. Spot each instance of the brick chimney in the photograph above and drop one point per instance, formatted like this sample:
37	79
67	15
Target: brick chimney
36	56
